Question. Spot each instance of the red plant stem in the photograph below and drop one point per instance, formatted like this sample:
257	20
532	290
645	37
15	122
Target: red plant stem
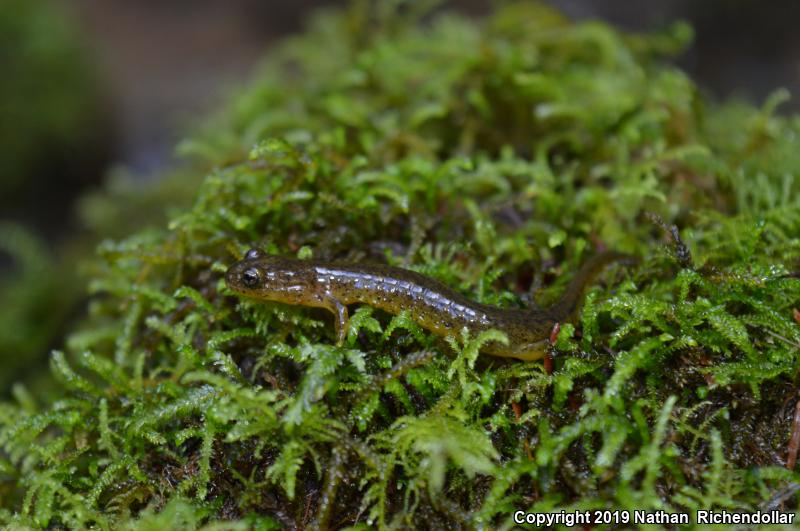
517	410
548	358
548	363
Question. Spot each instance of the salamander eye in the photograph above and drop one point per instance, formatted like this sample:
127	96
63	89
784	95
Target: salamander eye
253	253
251	277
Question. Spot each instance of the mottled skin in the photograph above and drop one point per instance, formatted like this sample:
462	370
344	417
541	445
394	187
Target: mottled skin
429	303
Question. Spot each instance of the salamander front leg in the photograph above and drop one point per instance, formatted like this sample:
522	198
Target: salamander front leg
341	318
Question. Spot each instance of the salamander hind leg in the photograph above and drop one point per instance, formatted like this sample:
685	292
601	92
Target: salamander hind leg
341	318
531	351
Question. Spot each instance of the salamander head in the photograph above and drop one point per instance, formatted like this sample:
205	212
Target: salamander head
248	275
265	277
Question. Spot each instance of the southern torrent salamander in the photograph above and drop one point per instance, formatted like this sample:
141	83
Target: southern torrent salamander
429	303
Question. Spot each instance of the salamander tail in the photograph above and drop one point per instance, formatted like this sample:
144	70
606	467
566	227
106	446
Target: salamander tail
572	298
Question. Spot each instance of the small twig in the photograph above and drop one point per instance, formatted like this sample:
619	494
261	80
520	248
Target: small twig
307	510
682	252
794	440
780	497
785	340
328	498
517	408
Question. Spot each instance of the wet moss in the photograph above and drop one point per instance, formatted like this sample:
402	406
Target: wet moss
493	155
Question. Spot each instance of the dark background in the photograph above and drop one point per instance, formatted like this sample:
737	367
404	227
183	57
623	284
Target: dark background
167	62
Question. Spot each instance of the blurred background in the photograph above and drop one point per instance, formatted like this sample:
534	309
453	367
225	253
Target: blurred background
139	73
166	61
97	93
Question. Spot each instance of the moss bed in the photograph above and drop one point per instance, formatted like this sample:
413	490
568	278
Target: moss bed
494	155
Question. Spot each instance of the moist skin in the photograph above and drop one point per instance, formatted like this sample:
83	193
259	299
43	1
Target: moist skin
431	304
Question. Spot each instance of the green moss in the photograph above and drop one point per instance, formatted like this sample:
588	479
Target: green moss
492	155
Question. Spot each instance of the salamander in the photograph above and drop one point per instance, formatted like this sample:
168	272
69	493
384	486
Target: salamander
431	304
